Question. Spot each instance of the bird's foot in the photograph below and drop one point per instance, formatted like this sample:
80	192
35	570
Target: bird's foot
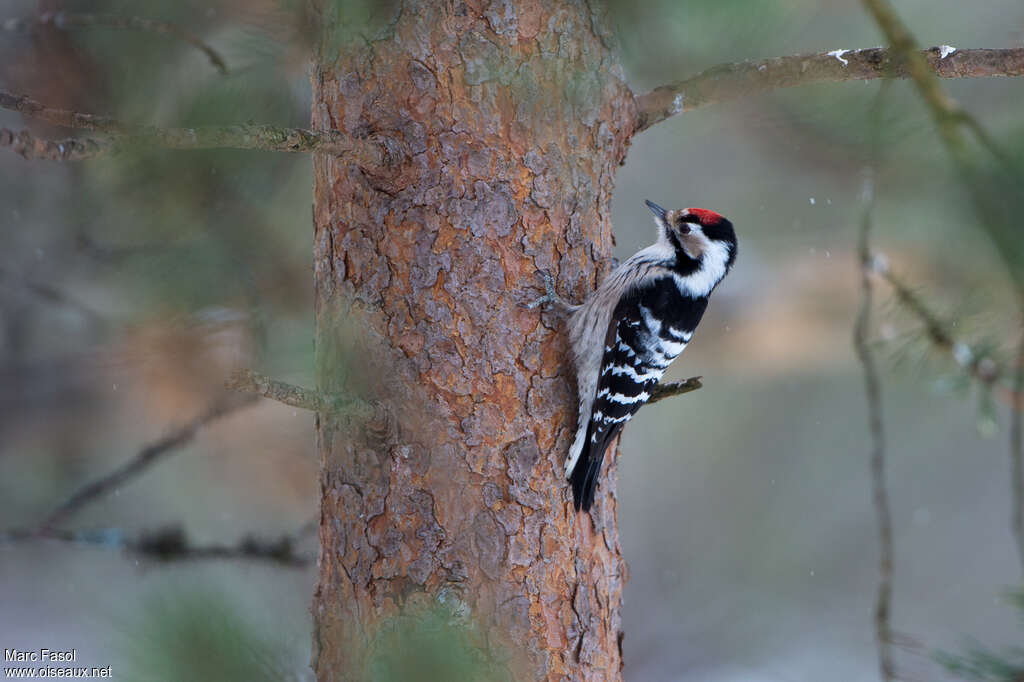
550	296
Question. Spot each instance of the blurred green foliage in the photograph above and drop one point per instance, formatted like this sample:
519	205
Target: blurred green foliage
185	634
153	235
433	644
981	664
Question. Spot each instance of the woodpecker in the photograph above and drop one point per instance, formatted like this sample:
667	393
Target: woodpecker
629	330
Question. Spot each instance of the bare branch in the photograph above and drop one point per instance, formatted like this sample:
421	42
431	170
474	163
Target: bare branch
733	81
170	543
27	106
65	21
247	381
662	391
144	459
872	387
367	153
28	146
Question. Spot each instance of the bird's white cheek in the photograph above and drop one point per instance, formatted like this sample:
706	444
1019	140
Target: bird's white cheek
694	244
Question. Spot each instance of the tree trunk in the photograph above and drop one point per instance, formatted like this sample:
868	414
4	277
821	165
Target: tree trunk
508	122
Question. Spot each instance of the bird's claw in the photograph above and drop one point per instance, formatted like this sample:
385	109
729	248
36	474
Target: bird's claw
550	296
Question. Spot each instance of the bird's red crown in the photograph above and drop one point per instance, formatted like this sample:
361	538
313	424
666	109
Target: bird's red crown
705	216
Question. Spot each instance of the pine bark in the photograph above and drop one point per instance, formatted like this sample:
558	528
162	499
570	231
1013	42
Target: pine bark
509	121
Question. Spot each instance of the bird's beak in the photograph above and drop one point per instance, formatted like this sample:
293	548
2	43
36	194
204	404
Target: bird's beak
658	211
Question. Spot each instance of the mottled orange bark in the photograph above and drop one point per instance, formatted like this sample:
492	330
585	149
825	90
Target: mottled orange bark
509	121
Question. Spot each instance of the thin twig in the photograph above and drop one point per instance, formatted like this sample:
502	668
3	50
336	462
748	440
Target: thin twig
732	81
369	153
981	368
872	387
66	20
170	543
944	109
52	294
985	370
143	459
935	329
662	391
949	117
1017	454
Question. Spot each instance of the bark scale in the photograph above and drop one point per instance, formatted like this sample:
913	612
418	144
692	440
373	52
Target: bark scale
509	121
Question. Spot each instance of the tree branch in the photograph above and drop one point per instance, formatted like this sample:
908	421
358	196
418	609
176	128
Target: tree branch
30	108
733	81
144	459
170	543
371	153
662	391
64	21
873	391
248	381
28	146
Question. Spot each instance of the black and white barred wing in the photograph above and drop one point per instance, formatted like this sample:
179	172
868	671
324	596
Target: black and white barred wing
636	353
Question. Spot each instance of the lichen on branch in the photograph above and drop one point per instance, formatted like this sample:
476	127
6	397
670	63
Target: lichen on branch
732	81
674	388
371	153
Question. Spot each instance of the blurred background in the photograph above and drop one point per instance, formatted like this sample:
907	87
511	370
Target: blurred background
130	286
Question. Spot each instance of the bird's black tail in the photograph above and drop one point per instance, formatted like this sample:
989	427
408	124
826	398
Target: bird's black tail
585	474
